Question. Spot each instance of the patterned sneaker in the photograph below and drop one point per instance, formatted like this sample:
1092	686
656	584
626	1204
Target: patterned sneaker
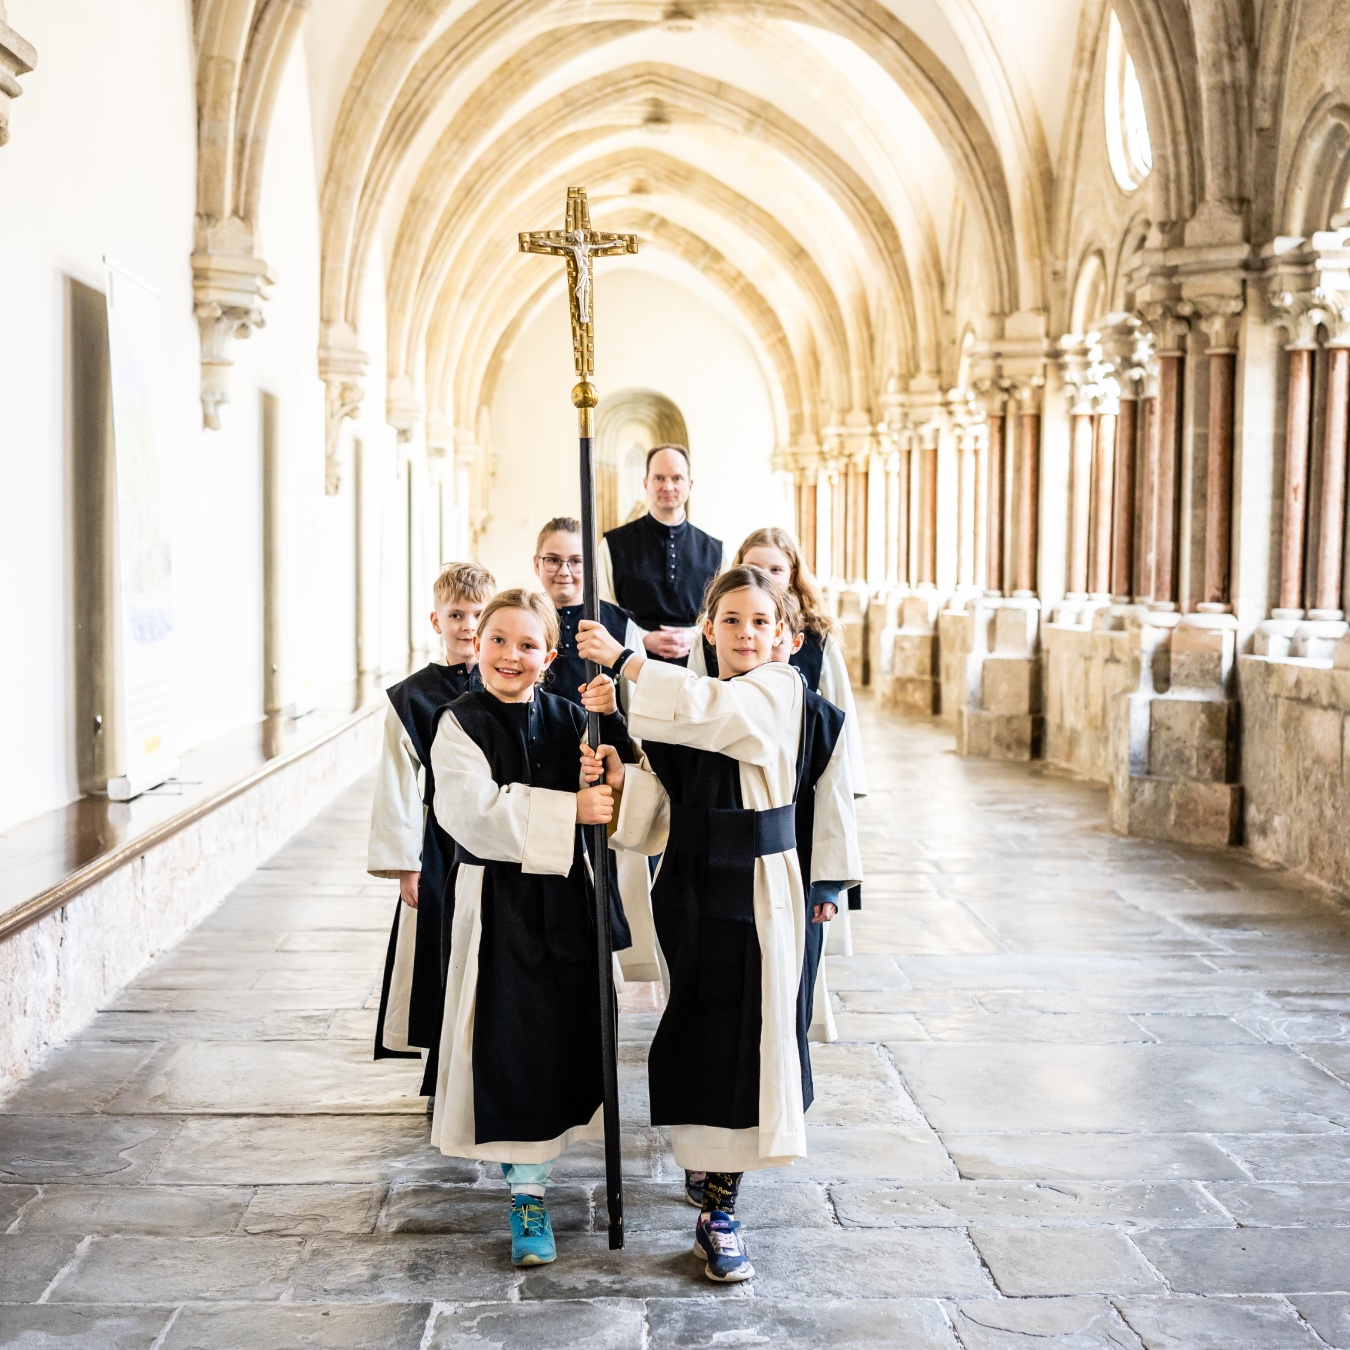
531	1232
717	1240
694	1183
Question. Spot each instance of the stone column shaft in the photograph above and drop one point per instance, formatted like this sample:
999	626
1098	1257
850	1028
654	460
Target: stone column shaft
1219	477
1331	517
1298	426
860	479
1028	496
965	511
1122	534
981	511
894	519
928	471
1103	486
1171	395
1146	571
993	554
839	524
1080	475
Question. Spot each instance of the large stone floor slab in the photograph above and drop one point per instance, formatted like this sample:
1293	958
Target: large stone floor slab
1090	1092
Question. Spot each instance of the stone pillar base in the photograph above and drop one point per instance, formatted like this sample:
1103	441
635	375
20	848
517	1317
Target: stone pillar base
1184	811
913	683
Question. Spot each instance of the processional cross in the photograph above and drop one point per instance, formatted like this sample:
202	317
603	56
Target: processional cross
579	244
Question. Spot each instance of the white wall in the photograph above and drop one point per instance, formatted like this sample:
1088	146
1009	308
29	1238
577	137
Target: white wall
652	333
100	163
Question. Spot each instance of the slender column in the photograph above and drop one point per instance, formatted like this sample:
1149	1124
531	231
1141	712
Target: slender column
809	501
1171	375
1080	474
993	574
1122	532
893	523
1103	484
928	474
965	508
1297	432
1028	495
1331	515
861	484
839	522
1221	330
981	564
904	568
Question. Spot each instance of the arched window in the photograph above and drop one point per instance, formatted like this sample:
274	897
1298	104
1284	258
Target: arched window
1127	139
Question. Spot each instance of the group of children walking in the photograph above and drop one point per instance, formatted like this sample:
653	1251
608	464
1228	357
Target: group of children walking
738	772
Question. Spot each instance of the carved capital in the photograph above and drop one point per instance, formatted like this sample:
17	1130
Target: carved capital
229	286
17	57
1169	325
1220	319
342	366
1296	312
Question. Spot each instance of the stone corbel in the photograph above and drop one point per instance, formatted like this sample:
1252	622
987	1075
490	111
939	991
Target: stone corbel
342	367
17	57
229	286
402	410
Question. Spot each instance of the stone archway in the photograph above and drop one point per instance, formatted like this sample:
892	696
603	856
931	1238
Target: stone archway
628	423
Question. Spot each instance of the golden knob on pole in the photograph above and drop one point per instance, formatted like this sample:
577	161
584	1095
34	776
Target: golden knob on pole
585	395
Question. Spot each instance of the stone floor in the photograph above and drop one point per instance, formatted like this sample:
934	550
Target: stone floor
1090	1091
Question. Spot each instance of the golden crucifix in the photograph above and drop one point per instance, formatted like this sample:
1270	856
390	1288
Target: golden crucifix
578	243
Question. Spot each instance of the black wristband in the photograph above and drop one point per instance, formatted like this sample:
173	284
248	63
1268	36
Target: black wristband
616	670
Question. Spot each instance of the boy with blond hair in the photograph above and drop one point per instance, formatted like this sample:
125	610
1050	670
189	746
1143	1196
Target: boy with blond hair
406	841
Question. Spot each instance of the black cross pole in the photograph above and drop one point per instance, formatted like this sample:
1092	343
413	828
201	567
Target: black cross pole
578	244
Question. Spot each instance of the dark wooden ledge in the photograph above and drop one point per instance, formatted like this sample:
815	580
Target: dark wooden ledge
47	860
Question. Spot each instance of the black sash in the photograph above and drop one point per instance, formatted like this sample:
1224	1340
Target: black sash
731	840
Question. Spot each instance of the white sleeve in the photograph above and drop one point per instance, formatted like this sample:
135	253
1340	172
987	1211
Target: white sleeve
396	814
698	663
606	570
643	822
838	689
745	719
534	827
835	855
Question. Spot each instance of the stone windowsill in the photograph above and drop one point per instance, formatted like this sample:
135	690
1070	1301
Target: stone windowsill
46	861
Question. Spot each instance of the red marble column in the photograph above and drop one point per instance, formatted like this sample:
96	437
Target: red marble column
1028	499
1297	435
1122	532
1219	476
1146	553
928	513
1080	500
1331	515
903	571
1103	486
993	555
1171	395
808	528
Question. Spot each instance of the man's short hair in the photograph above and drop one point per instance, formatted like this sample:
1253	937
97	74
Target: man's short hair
558	525
678	449
468	581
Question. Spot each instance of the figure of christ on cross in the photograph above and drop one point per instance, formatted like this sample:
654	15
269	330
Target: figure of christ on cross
578	243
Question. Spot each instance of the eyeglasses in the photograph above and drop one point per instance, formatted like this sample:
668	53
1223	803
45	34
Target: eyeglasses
552	564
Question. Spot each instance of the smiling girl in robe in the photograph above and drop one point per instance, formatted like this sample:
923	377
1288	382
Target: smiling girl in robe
520	1066
717	798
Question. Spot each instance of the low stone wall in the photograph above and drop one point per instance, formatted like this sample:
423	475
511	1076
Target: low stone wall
57	972
955	643
1085	669
1296	764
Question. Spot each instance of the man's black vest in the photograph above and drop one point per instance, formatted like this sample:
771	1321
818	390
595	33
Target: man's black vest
662	571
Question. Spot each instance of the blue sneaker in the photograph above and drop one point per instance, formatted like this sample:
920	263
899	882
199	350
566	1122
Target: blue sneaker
717	1240
694	1183
531	1232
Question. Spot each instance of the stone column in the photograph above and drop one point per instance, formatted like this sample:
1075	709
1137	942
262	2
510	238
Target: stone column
895	519
1297	434
1026	495
965	507
1327	579
993	548
1221	330
1080	478
928	504
1167	493
1103	486
1146	567
981	561
1131	371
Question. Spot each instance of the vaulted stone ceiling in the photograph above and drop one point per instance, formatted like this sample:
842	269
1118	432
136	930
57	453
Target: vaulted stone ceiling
839	172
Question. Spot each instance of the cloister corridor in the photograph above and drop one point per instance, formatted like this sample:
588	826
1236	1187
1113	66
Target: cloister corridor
1089	1091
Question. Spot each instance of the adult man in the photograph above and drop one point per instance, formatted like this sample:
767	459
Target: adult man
658	566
